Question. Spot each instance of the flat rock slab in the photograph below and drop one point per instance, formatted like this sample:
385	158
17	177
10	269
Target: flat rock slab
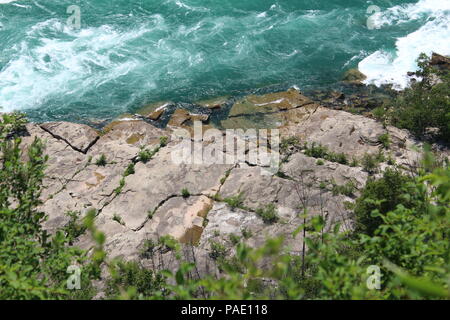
269	103
79	136
149	203
122	140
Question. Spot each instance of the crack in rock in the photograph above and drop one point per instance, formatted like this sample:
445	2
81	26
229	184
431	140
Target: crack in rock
58	137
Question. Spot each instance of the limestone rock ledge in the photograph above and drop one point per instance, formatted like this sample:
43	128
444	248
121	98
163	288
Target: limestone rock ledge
149	203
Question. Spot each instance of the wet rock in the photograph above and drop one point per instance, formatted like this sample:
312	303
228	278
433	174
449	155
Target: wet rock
215	103
440	61
269	103
154	111
354	76
183	118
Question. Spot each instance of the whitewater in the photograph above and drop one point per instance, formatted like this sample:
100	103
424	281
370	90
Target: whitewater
129	53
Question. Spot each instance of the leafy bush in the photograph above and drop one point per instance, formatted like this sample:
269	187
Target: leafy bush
148	249
337	157
185	193
268	214
319	151
169	243
370	163
316	150
101	161
163	141
385	140
246	233
74	228
119	189
218	251
117	218
33	263
347	189
382	195
145	155
287	143
425	104
236	201
354	162
130	280
129	170
234	239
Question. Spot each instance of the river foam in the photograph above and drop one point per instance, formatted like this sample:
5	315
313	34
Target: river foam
391	67
129	53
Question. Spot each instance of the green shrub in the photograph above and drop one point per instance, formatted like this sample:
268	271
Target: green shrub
148	249
185	193
129	170
347	189
33	263
119	189
169	243
282	175
289	142
354	162
369	163
227	174
379	113
236	201
316	151
163	141
129	280
234	239
385	140
145	155
268	214
319	151
74	228
101	161
118	219
246	233
150	214
382	195
337	157
424	105
218	251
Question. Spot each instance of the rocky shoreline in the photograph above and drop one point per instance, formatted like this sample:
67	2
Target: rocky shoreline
149	202
137	201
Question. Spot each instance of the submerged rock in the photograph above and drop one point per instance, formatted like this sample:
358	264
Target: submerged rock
269	103
214	103
266	111
183	118
354	76
154	111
